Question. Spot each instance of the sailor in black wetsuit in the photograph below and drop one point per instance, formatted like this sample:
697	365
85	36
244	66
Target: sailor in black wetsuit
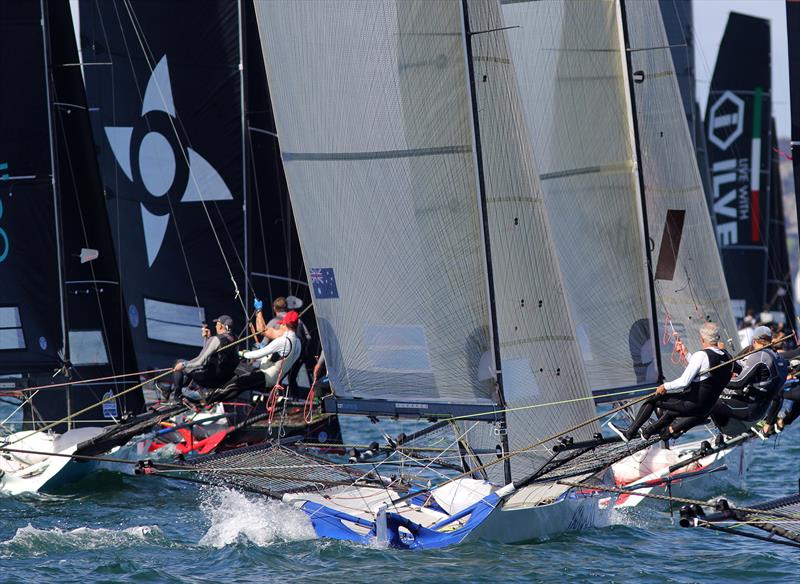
699	390
756	392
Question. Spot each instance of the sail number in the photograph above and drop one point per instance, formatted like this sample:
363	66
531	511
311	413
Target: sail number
3	238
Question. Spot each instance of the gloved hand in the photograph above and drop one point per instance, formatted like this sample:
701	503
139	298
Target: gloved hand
258	304
241	354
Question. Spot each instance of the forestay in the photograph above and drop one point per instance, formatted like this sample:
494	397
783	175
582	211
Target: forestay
570	67
690	285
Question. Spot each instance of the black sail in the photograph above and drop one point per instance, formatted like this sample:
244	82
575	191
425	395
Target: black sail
793	29
737	132
780	295
99	343
168	297
163	85
30	294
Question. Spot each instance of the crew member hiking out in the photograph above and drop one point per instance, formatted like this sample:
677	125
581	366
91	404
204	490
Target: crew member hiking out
276	359
699	391
214	365
756	392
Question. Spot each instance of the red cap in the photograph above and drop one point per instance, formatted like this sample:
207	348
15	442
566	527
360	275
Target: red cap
290	319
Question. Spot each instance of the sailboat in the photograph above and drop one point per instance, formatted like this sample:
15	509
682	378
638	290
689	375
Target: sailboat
460	310
194	182
61	301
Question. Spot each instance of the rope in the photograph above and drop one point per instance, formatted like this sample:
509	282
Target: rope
308	406
95	380
92	406
672	499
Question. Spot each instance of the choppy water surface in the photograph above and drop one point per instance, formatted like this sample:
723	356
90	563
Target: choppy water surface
144	529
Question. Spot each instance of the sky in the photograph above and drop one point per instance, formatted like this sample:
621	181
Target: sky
710	18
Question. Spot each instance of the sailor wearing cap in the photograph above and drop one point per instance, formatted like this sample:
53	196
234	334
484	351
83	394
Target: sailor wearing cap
277	358
216	362
756	392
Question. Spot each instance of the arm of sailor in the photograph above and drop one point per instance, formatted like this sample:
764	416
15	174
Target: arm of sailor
697	363
200	360
281	344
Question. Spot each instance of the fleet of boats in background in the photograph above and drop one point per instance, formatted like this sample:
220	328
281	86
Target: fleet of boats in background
511	215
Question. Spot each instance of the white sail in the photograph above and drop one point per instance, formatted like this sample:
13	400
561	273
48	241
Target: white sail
690	284
376	138
570	67
373	106
540	356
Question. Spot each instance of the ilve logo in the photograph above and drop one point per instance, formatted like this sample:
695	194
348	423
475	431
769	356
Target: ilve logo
161	160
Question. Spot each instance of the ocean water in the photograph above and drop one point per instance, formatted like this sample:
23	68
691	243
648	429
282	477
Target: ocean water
117	528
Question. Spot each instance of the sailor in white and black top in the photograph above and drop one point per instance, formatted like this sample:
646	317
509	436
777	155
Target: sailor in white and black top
699	390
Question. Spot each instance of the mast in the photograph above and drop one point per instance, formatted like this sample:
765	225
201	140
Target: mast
245	190
628	75
56	206
793	30
476	143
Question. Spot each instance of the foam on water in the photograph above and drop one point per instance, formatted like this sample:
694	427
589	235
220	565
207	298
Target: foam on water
30	540
236	518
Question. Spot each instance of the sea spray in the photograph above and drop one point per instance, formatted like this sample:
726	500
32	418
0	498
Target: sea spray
235	518
32	541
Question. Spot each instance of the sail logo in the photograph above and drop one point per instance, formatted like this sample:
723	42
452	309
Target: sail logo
729	177
726	120
153	157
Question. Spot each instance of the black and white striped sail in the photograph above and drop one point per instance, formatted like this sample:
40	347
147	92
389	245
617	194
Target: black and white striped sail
373	109
689	282
572	76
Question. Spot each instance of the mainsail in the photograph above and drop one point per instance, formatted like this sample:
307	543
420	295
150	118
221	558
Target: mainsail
164	91
189	155
570	66
737	128
779	272
390	170
79	268
689	282
31	327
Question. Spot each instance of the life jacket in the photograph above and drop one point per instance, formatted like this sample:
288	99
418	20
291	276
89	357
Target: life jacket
709	389
222	363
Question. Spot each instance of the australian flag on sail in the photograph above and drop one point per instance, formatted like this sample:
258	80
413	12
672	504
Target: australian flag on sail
324	283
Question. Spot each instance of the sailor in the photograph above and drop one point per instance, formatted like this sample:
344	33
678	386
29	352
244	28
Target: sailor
216	362
276	359
279	309
306	358
699	390
756	392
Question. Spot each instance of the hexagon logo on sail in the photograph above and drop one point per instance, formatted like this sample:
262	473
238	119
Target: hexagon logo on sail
154	159
726	120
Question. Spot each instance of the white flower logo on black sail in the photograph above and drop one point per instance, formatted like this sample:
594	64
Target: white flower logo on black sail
153	157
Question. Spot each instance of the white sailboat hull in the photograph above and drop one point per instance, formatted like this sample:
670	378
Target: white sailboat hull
718	471
34	473
511	523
